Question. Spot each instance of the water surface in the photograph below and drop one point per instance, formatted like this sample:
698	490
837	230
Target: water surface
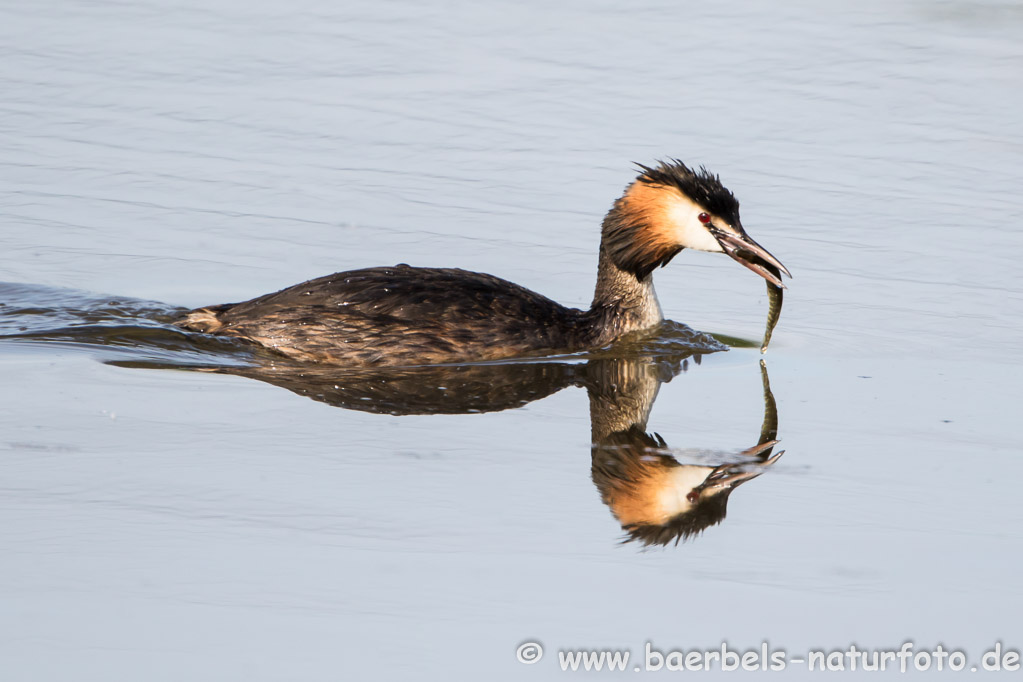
170	523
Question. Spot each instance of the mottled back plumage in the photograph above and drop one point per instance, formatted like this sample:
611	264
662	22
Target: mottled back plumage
398	316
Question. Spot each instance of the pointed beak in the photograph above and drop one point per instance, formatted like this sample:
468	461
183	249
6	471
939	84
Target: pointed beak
733	475
749	254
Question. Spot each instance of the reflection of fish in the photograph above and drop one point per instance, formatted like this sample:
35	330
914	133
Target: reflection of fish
774	297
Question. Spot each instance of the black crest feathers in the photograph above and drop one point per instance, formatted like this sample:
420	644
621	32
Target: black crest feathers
701	186
638	234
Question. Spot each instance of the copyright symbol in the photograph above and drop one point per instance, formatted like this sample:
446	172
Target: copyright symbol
529	652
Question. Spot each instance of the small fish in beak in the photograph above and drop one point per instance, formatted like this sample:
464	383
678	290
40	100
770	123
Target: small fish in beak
742	249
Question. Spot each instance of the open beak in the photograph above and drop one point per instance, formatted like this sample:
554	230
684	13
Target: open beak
749	254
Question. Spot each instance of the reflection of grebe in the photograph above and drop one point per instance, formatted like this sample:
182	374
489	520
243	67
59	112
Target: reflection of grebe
655	498
658	500
413	316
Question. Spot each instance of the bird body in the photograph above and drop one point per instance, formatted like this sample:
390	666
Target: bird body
402	315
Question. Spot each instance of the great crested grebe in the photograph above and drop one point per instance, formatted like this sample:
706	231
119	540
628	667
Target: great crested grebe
402	315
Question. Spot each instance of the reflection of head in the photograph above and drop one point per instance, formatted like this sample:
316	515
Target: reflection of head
710	511
656	499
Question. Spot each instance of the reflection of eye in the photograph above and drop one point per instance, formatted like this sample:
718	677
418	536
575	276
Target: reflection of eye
693	495
704	218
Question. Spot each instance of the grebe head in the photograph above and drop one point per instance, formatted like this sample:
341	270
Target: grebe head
671	207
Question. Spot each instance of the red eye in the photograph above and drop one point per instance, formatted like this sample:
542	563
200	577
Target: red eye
704	218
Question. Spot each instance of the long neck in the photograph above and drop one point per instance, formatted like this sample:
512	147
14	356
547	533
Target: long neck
622	302
622	392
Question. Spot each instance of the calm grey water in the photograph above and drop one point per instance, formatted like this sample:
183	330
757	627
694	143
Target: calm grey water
169	525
